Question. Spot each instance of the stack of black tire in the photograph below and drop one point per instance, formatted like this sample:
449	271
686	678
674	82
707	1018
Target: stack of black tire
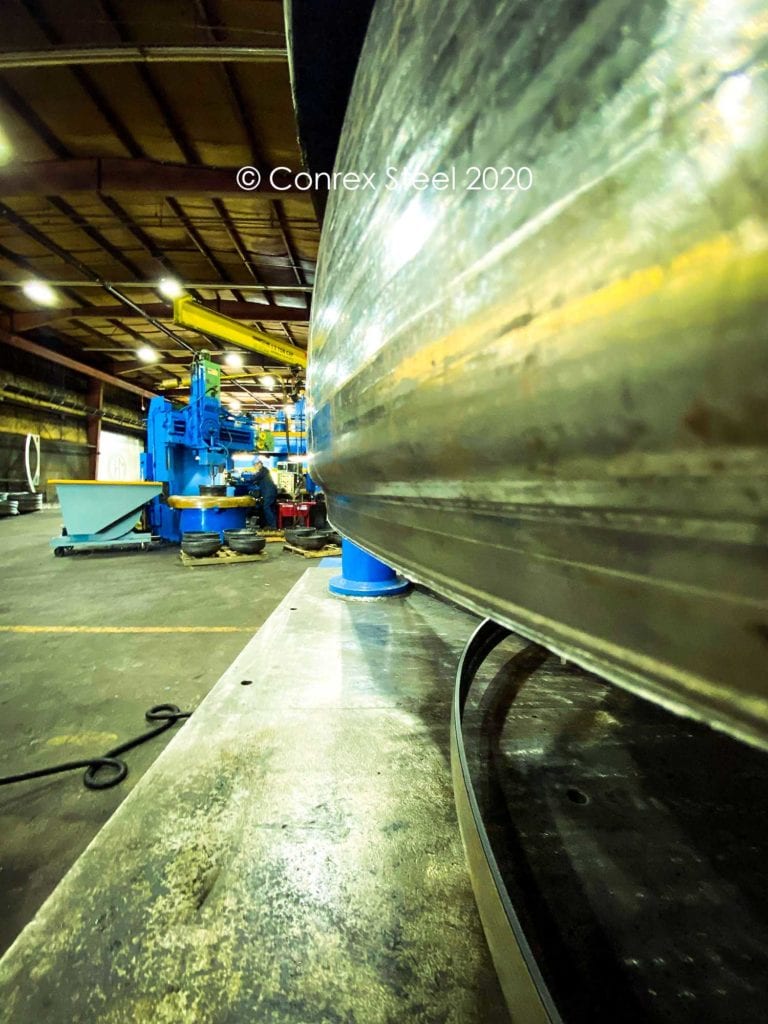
14	502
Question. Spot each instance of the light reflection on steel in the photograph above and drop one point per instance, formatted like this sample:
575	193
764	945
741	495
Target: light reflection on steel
552	404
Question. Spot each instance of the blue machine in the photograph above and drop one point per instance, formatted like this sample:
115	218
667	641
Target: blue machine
191	445
289	430
363	575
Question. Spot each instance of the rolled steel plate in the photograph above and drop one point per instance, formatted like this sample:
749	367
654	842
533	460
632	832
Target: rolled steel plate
551	403
521	980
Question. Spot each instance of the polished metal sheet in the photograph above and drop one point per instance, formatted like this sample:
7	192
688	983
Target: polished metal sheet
552	404
632	887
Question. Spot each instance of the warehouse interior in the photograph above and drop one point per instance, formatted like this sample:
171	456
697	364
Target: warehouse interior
383	450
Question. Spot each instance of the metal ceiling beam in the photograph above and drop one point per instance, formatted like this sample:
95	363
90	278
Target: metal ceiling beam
86	328
133	365
250	311
22	109
78	221
32	232
144	240
43	240
237	241
175	127
58	56
285	235
178	133
197	239
25	345
217	31
113	175
35	10
114	322
25	264
216	286
288	332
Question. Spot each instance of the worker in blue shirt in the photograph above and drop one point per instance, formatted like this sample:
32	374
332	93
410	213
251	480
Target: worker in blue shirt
266	488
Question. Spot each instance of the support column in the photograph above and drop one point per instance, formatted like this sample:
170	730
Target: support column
94	400
362	575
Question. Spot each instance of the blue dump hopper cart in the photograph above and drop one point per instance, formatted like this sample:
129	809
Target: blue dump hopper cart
102	513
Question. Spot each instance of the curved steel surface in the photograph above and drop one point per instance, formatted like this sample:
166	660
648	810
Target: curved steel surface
550	404
525	990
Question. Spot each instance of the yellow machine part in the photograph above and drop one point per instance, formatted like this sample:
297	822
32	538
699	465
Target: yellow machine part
188	313
209	501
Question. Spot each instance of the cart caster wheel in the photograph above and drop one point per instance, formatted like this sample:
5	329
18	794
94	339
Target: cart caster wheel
61	552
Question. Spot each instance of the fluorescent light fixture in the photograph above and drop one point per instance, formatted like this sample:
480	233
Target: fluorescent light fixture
6	149
40	292
147	354
234	405
268	381
234	359
170	288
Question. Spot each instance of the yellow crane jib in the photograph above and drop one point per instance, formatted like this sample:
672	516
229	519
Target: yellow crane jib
188	313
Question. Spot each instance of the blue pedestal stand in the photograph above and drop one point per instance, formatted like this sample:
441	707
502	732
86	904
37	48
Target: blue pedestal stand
362	575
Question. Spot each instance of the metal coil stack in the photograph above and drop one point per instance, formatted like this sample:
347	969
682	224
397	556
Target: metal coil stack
13	503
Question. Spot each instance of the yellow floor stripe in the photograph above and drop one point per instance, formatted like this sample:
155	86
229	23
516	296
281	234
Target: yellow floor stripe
126	629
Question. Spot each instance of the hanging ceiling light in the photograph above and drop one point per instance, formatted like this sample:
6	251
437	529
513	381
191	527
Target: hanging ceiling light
268	381
234	359
170	288
6	149
147	354
40	292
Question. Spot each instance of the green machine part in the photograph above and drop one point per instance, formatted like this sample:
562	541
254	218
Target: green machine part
212	379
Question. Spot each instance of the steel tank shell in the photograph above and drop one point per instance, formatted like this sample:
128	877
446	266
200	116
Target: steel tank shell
551	403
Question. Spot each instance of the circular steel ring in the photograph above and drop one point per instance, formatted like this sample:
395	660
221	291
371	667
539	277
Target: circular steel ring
209	501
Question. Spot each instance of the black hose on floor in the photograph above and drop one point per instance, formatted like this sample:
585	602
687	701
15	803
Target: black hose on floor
166	714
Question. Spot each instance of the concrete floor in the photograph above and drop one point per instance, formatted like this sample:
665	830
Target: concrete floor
68	695
293	856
